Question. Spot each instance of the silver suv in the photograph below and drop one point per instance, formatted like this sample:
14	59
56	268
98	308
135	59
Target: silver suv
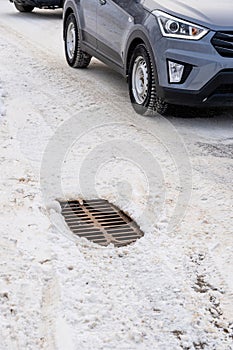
171	51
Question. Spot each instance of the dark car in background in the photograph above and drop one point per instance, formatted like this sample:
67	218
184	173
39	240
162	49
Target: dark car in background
29	5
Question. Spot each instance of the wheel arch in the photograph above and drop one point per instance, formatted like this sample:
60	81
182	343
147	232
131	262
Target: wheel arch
68	9
137	37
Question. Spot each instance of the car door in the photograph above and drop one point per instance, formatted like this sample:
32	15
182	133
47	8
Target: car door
88	13
113	24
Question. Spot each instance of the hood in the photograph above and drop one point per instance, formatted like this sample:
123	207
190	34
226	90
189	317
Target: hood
213	14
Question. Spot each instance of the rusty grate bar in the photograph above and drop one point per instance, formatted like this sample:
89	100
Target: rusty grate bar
100	222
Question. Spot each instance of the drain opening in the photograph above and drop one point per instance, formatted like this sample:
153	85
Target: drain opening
100	222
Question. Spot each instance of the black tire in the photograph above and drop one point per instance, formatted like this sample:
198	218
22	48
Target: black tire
75	57
143	91
23	8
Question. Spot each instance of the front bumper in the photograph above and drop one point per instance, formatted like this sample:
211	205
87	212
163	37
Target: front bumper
217	92
210	82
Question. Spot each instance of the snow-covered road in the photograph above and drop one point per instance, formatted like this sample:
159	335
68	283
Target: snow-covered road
68	133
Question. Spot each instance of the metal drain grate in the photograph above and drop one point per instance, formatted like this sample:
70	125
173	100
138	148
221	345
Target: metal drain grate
100	222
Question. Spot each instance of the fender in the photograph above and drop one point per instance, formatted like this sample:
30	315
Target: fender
69	7
138	34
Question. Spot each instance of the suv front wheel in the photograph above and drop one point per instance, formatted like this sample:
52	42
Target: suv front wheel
75	57
142	85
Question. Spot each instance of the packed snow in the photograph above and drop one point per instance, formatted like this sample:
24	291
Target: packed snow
67	134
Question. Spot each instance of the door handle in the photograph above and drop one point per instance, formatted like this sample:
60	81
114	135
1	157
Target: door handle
102	2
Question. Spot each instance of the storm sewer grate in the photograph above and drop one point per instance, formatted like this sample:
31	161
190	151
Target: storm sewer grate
100	222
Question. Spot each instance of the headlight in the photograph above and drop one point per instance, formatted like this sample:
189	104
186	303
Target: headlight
173	27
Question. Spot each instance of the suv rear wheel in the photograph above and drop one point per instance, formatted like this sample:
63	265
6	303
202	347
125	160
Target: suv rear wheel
75	57
23	8
142	86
